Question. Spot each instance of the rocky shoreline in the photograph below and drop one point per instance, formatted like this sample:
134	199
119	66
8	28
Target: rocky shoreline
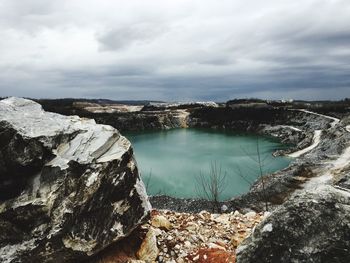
288	123
299	129
70	189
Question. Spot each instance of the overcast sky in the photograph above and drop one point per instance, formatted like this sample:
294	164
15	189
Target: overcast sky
175	49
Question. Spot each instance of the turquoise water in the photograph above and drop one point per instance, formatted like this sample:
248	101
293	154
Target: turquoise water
171	161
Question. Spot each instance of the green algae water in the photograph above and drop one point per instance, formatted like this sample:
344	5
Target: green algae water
170	161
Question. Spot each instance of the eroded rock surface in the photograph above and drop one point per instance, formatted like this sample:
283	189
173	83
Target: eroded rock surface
313	226
68	187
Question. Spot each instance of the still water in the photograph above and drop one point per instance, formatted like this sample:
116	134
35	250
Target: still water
171	161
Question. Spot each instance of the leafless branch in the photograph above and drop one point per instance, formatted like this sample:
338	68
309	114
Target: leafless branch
211	186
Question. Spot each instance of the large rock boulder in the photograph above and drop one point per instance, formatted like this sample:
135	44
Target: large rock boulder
68	187
313	226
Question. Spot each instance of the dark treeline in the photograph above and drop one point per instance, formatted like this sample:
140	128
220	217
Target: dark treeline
224	115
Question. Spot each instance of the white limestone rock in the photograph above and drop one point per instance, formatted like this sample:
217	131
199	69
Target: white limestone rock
68	187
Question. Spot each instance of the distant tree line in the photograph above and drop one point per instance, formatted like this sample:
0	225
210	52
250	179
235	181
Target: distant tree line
225	115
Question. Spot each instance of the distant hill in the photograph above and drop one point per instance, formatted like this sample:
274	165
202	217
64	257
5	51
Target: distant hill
69	101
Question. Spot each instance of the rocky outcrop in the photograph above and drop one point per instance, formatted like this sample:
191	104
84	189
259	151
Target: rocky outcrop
288	134
312	226
68	187
143	120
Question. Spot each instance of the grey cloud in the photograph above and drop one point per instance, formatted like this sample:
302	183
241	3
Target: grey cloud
28	16
123	37
193	50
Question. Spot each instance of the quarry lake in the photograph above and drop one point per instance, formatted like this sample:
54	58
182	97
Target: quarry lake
171	161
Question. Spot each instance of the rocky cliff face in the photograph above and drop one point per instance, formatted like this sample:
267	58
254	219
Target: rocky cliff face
68	187
145	120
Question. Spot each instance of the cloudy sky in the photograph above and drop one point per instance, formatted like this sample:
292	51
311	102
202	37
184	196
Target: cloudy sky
175	49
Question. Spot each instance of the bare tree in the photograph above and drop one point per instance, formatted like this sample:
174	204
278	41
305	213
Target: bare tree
260	162
211	186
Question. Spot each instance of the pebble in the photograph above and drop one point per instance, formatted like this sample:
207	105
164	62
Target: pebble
224	208
160	221
250	214
236	213
187	244
213	245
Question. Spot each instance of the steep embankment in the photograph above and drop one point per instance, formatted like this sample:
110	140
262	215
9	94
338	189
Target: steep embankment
317	163
334	167
313	224
317	134
315	141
